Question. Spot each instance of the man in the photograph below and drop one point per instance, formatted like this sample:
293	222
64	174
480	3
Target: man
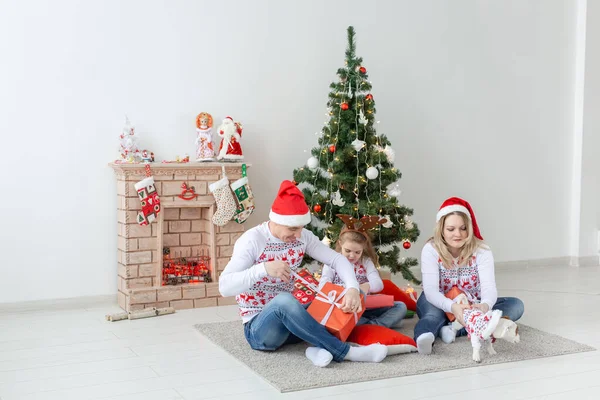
259	275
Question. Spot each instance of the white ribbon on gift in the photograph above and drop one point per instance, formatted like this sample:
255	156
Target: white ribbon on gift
331	298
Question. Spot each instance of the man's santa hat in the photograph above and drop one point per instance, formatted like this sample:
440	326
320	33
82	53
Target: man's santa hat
289	207
454	204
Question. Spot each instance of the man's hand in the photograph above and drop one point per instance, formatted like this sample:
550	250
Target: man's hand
351	302
457	310
278	269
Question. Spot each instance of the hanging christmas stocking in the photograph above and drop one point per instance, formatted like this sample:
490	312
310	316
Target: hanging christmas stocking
149	198
243	195
226	206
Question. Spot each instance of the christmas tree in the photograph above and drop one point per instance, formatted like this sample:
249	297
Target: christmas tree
352	170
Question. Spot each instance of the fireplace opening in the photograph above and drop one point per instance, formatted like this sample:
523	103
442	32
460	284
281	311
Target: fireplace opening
178	270
188	246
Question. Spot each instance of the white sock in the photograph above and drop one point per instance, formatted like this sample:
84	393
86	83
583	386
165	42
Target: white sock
319	357
372	353
447	334
425	343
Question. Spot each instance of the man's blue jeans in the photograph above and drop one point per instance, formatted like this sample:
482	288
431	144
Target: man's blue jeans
431	318
284	320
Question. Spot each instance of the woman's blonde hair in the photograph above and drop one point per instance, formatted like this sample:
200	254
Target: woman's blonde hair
360	238
468	250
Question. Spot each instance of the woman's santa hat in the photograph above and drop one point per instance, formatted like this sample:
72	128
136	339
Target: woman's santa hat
454	204
289	207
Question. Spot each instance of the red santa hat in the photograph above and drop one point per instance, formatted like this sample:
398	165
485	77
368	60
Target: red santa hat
238	126
454	204
289	207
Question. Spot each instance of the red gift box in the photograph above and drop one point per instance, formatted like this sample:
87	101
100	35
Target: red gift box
326	309
379	300
302	292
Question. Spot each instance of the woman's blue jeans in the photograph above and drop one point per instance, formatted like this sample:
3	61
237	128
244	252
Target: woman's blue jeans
283	321
431	318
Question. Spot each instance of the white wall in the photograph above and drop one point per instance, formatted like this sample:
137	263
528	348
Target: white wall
590	162
476	98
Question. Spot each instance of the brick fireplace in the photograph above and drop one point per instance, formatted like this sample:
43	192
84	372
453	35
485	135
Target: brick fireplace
183	226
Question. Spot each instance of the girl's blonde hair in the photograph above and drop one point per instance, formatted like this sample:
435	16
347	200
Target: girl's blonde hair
468	250
360	238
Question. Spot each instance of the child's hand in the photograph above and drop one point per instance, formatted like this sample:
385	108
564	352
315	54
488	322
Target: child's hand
278	269
365	287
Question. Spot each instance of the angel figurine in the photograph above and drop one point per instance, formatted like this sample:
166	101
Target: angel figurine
204	144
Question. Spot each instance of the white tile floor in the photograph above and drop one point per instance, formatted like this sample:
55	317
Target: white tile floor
59	350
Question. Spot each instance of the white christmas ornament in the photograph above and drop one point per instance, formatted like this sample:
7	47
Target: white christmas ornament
337	200
361	118
394	190
372	173
389	153
312	163
358	144
326	241
389	222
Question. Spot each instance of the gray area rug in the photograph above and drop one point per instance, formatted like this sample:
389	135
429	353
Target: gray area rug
287	369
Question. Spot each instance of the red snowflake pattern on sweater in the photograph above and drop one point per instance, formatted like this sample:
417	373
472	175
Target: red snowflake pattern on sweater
253	300
359	270
465	277
476	322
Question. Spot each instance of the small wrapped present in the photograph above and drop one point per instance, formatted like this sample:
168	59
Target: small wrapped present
302	292
379	300
326	309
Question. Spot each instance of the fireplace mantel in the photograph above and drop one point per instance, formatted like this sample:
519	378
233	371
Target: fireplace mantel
183	225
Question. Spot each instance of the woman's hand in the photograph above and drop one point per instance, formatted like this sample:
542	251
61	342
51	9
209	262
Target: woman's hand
351	302
457	310
482	306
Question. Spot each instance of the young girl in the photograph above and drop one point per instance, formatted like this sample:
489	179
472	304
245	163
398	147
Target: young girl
355	245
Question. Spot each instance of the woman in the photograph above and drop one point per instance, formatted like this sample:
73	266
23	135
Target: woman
456	256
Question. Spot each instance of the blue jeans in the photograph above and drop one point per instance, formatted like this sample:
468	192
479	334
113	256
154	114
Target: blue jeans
431	318
283	321
384	316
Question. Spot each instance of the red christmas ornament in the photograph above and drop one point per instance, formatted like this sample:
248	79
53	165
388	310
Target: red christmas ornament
344	106
362	70
406	245
369	96
317	208
332	148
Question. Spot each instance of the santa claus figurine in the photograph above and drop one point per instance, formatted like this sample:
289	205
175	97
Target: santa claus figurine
230	133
